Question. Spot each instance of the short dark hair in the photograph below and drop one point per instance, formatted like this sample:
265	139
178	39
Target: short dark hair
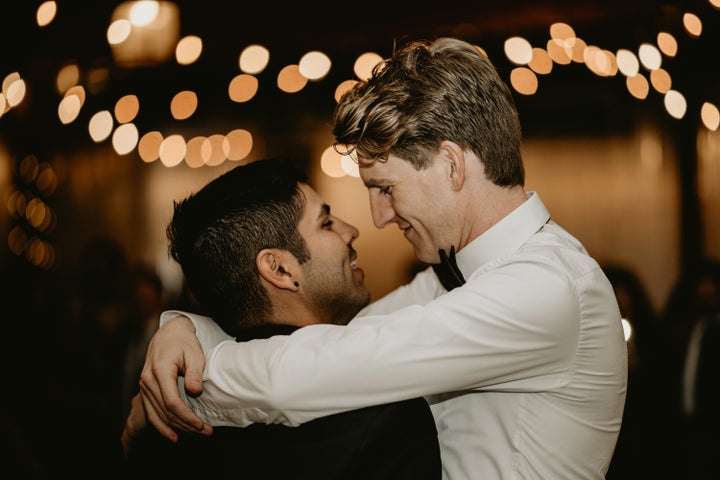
428	92
216	234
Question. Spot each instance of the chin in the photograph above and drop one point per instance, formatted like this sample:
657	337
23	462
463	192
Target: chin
427	257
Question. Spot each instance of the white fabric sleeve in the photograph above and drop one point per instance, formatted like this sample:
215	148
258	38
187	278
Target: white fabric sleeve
423	288
485	335
207	331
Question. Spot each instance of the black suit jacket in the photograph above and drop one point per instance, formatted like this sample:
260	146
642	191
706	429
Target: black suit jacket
393	441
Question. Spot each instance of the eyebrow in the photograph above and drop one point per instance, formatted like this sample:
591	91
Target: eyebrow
375	182
324	210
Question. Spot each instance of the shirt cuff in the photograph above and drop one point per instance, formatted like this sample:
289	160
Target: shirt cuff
208	332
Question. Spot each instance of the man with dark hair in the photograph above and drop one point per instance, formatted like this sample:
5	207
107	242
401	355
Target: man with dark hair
264	256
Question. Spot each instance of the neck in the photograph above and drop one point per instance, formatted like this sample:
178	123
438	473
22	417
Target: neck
289	308
489	206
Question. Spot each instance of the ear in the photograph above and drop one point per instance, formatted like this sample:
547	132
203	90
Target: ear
269	262
454	158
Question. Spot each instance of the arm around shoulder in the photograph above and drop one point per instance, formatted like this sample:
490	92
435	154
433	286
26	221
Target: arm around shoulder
208	333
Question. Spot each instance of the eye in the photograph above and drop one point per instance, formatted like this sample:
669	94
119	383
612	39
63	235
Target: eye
328	223
387	190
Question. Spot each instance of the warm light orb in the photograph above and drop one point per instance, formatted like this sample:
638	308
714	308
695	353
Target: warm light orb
660	80
577	53
350	166
600	62
562	33
118	31
243	88
188	50
254	59
240	142
100	126
67	76
710	116
47	180
9	80
17	240
143	13
675	104
29	168
559	54
150	36
518	50
524	80
45	13
68	109
290	80
172	150
365	64
667	44
219	148
149	146
638	86
541	62
650	56
627	62
78	91
183	105
627	329
127	108
314	65
331	163
344	87
196	153
693	25
14	90
125	138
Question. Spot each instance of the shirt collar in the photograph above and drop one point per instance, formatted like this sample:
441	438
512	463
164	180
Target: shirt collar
506	236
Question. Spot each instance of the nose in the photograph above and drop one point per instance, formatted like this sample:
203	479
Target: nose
347	231
381	209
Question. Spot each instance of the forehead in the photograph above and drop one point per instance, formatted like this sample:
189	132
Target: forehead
313	201
385	171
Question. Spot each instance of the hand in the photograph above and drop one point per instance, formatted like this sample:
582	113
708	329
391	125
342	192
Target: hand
174	349
135	422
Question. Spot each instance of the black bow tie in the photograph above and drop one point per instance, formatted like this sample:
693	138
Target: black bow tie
447	270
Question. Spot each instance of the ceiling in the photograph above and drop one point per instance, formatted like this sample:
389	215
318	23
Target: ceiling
343	31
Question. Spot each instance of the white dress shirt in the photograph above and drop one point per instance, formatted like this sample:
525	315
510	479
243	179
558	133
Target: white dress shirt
524	366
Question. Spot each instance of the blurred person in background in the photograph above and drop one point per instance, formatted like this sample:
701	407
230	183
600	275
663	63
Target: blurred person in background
147	300
693	314
649	428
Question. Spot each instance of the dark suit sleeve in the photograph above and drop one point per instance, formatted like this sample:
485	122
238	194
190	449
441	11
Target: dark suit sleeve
396	441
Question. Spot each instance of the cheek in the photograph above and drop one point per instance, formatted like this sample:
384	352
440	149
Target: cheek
331	252
422	207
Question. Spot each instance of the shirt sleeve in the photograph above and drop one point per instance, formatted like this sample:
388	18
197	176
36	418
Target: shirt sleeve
513	329
424	287
207	331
